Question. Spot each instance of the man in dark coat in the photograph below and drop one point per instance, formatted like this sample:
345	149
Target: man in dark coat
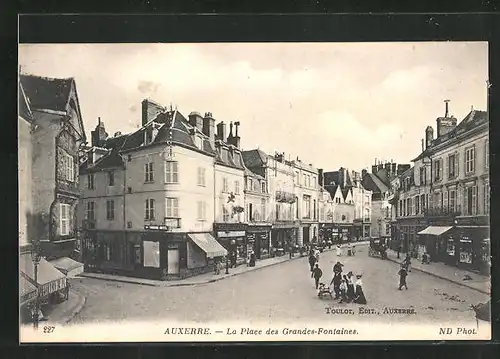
337	268
312	261
402	278
316	274
336	280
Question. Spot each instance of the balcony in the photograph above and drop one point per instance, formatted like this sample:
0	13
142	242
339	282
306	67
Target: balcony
442	212
285	197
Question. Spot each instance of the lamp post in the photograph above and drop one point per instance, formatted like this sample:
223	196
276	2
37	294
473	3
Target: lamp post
35	258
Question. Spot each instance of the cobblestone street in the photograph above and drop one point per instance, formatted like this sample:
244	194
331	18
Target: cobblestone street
283	293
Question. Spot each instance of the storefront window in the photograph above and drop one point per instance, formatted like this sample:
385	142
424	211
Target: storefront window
241	250
152	254
450	247
465	250
485	252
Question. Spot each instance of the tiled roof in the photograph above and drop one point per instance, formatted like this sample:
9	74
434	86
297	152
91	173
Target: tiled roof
332	189
372	183
253	174
254	158
47	93
345	192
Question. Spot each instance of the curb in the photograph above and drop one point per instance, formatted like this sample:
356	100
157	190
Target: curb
212	280
78	309
444	278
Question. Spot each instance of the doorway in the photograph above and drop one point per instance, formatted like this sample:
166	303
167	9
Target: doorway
173	261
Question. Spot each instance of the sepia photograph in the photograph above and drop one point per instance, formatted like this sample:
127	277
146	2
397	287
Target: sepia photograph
222	192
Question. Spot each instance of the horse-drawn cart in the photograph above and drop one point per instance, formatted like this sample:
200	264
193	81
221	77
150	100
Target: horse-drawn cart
378	247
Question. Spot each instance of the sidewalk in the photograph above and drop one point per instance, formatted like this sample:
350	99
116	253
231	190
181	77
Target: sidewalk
64	312
478	282
205	278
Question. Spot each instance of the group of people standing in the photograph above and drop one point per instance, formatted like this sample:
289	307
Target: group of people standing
347	287
403	272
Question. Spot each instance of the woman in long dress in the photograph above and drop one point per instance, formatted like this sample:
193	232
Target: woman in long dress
339	250
350	286
359	297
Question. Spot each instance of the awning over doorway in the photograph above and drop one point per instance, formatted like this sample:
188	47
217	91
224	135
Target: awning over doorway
49	279
68	266
208	244
435	230
27	290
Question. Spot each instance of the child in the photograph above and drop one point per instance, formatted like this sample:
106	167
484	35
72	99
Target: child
343	291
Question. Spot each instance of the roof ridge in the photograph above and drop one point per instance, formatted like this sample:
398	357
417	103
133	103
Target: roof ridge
48	77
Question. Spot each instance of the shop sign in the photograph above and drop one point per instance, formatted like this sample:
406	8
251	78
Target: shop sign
172	245
230	227
231	234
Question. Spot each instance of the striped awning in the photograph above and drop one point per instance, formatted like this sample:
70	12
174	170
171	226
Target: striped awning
49	279
208	244
27	290
435	230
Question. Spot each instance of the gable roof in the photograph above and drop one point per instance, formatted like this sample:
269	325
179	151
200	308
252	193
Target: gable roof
47	93
254	158
332	189
345	192
373	183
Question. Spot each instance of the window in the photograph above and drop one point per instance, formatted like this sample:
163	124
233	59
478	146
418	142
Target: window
225	214
408	207
277	211
263	209
487	154
64	219
422	176
90	181
250	212
237	187
150	210
452	166
225	186
250	184
422	203
417	205
438	170
307	207
263	187
149	172
173	208
201	176
111	178
171	172
314	181
110	210
314	209
470	160
452	198
486	198
297	208
67	162
91	211
400	208
470	200
202	211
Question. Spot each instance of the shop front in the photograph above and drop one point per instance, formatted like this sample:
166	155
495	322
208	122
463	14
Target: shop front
283	236
259	240
232	236
439	243
472	243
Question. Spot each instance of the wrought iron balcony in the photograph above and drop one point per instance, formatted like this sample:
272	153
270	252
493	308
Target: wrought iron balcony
442	211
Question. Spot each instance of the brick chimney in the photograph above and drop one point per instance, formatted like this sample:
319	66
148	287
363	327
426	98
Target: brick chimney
99	135
221	131
429	136
209	127
234	139
445	124
150	110
196	121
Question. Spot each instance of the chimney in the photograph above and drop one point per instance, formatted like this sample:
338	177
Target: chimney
445	124
196	121
321	177
394	166
429	136
150	110
364	172
374	168
221	131
209	128
99	135
236	137
387	167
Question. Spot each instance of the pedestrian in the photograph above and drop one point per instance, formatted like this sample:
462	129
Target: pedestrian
336	281
350	286
343	290
359	297
252	259
349	250
216	266
312	261
316	254
425	259
402	278
353	250
399	250
227	264
337	268
339	250
316	274
407	262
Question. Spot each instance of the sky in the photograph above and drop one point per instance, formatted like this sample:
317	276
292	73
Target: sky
329	104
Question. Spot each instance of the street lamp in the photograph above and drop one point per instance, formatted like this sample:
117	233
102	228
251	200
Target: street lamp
35	258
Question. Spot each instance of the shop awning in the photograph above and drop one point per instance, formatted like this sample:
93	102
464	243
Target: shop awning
27	290
208	244
68	266
49	279
435	230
